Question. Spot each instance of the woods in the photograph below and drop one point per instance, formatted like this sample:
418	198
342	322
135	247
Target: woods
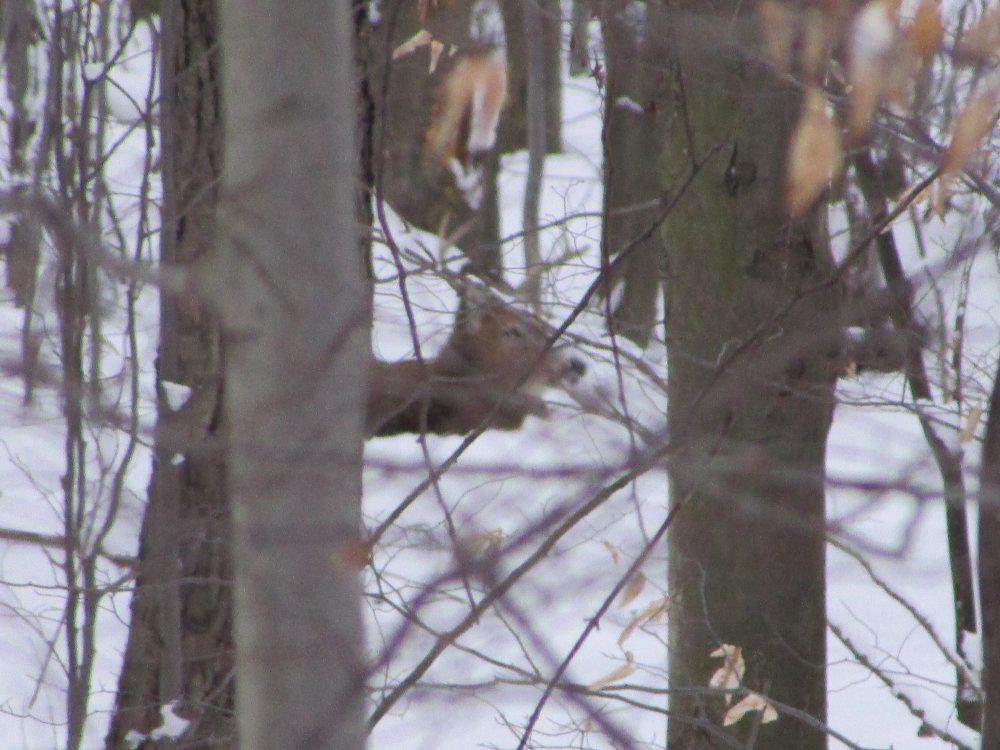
499	372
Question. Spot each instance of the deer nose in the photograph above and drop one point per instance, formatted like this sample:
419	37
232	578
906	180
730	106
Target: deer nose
576	366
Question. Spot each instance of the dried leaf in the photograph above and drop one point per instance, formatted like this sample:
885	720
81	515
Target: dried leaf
411	45
926	31
611	549
777	26
750	702
352	555
649	613
436	49
633	588
873	37
485	543
971	126
971	423
614	675
981	43
815	156
730	675
728	651
915	194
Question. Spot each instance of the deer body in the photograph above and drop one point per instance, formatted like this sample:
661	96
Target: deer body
491	368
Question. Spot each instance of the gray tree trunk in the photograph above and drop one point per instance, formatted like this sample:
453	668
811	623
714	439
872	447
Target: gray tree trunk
752	330
514	126
180	644
17	24
404	96
297	318
634	127
579	52
989	568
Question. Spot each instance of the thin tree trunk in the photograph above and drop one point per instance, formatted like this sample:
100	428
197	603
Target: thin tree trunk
751	381
22	246
18	22
634	127
514	127
297	315
579	41
989	569
535	93
180	646
949	462
405	94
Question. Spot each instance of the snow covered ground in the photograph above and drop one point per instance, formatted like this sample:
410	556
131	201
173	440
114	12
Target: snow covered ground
501	487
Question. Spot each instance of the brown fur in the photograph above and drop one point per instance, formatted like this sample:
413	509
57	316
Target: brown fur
468	108
493	361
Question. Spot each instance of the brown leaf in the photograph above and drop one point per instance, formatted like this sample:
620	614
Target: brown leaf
649	613
485	543
611	549
971	126
873	37
633	588
750	702
926	31
730	675
352	555
411	45
615	675
436	49
814	157
971	423
981	43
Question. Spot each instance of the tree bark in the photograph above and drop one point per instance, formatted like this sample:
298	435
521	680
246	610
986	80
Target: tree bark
579	42
18	24
514	127
989	568
752	337
297	319
180	645
634	127
404	93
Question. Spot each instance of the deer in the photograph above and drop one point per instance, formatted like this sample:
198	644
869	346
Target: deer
491	371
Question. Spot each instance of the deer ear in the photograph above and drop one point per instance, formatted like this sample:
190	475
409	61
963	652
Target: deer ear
473	302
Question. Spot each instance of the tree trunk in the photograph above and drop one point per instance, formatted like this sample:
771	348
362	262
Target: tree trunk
579	41
514	127
751	342
634	127
180	639
989	568
297	318
17	25
405	95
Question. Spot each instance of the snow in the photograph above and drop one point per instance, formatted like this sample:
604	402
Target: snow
175	394
972	648
487	26
505	485
874	31
629	104
173	726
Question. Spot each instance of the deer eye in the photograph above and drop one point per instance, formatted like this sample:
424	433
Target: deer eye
514	331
